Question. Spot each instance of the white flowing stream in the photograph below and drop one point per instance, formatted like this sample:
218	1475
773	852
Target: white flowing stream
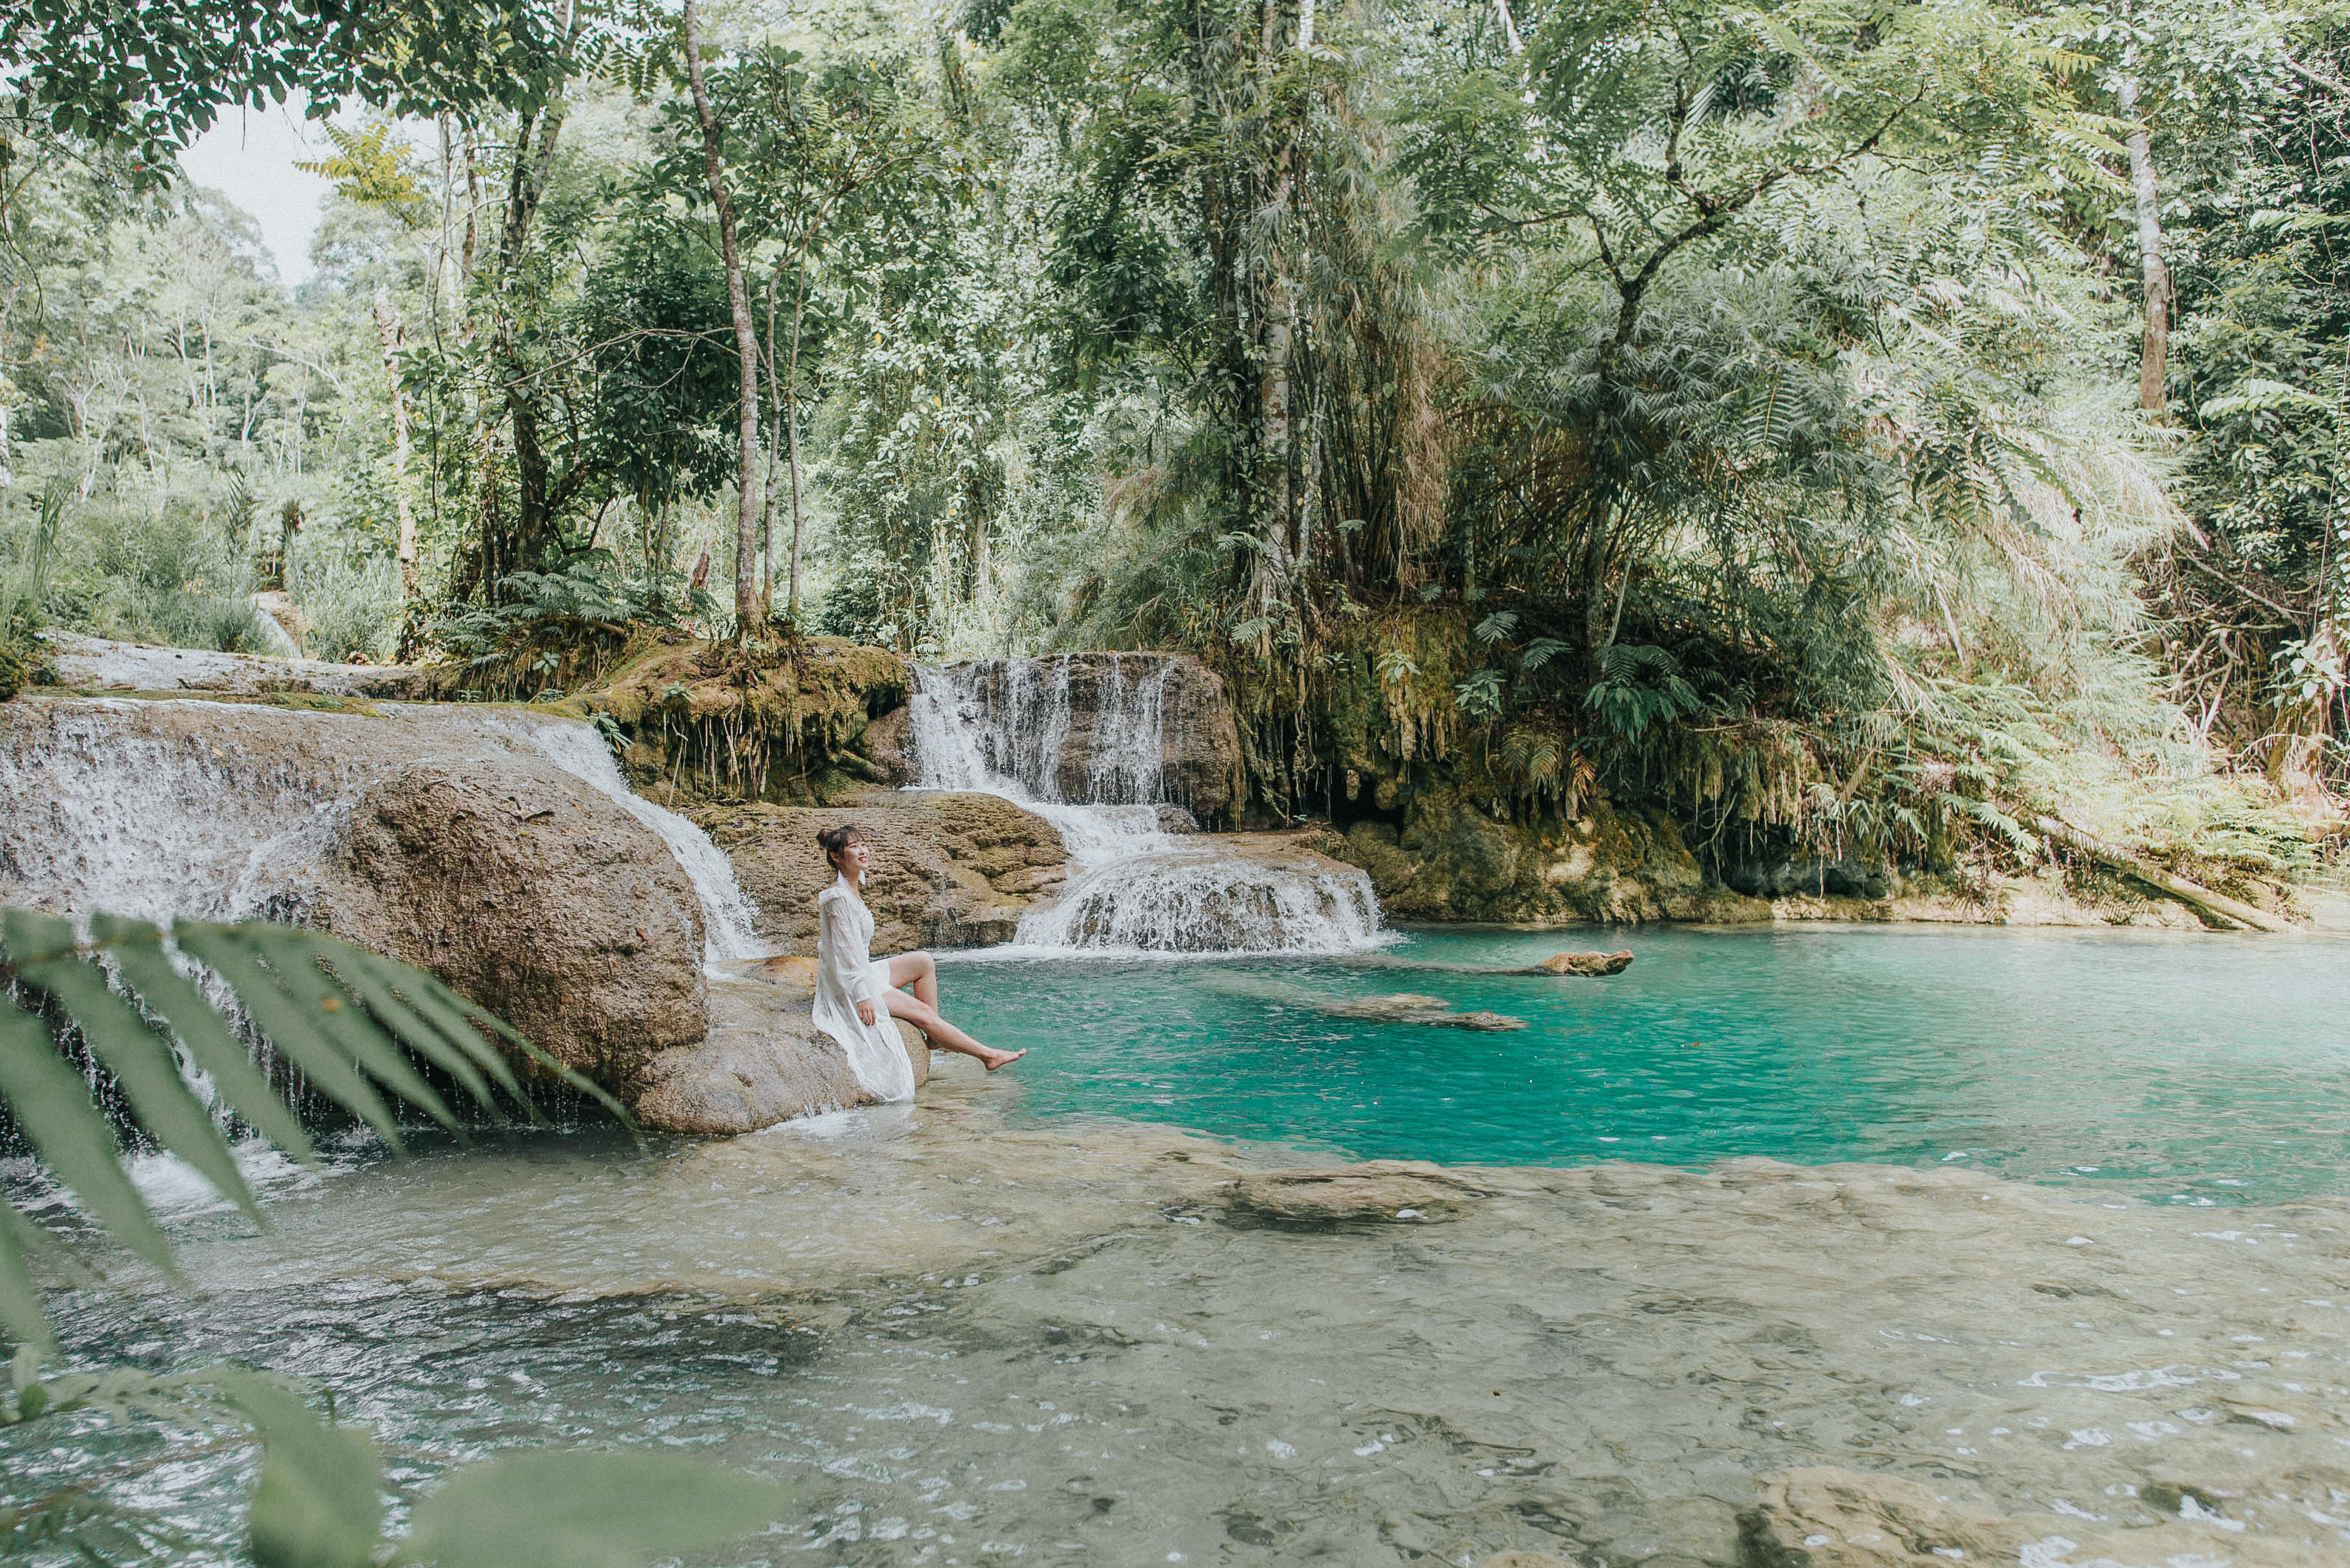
96	813
1002	727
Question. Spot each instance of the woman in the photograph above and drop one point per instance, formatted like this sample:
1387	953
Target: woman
854	992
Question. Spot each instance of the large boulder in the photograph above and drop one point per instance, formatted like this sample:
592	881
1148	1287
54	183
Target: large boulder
1453	861
443	835
529	892
948	869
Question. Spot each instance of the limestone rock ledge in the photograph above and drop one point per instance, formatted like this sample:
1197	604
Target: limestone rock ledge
764	1061
1451	861
948	869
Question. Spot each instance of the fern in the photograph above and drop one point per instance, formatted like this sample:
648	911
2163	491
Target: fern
357	1026
353	1023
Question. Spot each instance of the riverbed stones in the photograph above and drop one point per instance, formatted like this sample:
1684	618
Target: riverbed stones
764	1061
1822	1517
948	870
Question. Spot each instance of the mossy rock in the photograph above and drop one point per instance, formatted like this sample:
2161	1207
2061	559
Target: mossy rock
718	720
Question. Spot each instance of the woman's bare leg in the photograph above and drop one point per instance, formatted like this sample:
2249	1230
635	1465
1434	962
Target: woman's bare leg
924	1017
920	971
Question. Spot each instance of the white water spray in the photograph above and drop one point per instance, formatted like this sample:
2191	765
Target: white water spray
1001	727
726	913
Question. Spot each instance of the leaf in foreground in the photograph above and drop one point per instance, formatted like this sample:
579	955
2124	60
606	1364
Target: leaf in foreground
578	1510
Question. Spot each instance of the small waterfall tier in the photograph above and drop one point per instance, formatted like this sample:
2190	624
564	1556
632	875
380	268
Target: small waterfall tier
206	811
1099	750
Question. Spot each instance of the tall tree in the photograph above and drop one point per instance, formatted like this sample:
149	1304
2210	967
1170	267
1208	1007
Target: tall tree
749	612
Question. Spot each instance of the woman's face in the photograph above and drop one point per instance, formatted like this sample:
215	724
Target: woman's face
854	857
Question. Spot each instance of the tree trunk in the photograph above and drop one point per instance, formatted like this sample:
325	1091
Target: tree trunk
747	615
2153	361
2192	894
388	327
1509	26
792	420
767	480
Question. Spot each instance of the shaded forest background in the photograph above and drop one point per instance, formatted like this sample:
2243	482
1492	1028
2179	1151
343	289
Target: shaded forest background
1848	427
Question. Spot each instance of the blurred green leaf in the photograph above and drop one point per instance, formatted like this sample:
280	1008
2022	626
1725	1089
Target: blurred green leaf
543	1509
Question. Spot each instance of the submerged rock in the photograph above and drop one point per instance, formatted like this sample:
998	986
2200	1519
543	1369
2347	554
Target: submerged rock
1407	1007
948	869
1589	964
764	1061
1386	1191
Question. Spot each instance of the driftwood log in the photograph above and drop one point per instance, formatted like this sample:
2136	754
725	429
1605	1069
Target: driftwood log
2192	894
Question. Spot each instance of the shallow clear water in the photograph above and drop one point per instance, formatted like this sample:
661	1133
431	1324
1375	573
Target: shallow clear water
1018	1320
2174	1068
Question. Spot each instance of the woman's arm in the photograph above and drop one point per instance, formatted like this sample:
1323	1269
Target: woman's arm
850	963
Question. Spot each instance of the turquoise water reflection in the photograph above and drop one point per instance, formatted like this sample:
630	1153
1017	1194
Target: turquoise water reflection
2183	1068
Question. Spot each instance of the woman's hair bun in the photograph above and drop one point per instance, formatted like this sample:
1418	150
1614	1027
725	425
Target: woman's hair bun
832	840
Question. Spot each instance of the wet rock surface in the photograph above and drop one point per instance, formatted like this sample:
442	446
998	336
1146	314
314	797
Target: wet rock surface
1822	1517
948	870
1407	1007
1588	965
1087	707
1402	1192
530	893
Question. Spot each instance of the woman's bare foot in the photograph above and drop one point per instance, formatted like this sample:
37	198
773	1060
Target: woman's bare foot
991	1060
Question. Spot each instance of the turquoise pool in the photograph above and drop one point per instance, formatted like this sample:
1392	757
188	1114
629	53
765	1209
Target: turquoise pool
2182	1069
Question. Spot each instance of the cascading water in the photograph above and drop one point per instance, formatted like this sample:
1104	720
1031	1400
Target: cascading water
1002	727
96	816
726	913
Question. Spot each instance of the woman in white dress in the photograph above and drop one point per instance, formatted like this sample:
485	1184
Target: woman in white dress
856	994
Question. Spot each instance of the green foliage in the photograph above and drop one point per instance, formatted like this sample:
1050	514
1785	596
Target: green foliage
151	77
357	1027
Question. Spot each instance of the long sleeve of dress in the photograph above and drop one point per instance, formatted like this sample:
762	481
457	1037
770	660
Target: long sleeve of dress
841	956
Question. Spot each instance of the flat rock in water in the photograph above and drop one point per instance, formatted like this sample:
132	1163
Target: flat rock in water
1407	1007
1821	1517
1408	1192
1582	963
764	1061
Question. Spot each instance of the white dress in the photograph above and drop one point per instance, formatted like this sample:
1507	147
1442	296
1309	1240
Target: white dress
846	975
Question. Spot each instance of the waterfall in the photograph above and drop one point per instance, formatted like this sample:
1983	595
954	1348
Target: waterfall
93	817
726	913
96	815
1004	727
